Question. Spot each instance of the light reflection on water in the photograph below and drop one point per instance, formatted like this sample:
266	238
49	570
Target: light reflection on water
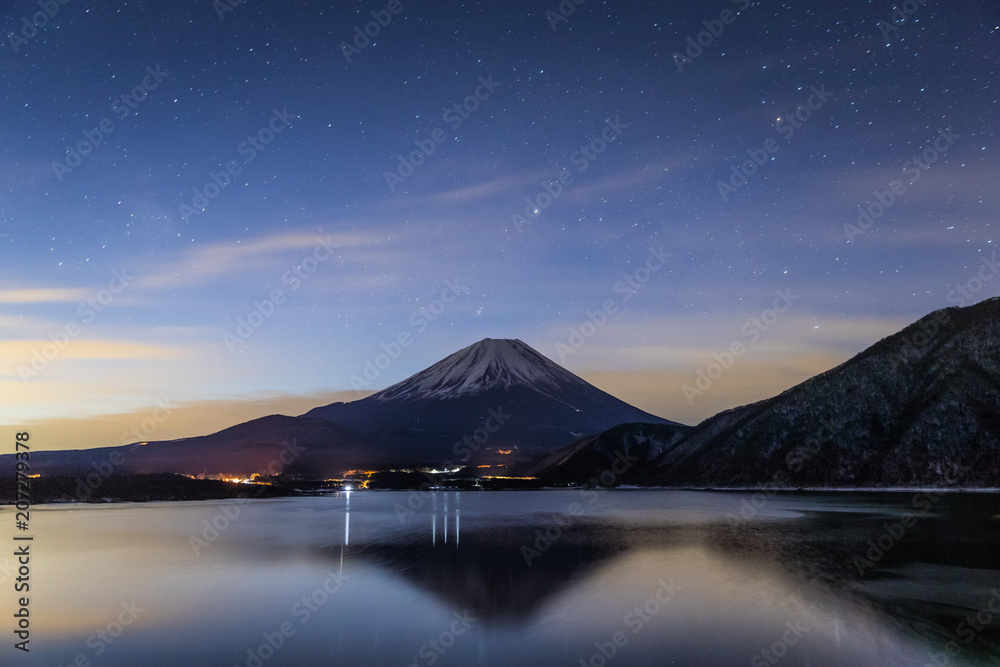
645	577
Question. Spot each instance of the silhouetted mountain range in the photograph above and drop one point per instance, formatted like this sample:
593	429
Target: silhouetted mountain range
494	402
919	408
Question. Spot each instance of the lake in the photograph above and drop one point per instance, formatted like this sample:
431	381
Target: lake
599	577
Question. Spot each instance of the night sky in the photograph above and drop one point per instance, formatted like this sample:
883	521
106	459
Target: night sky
628	187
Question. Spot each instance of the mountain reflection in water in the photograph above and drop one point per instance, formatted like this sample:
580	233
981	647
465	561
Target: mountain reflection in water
524	578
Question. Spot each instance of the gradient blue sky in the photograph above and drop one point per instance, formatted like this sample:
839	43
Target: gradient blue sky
893	82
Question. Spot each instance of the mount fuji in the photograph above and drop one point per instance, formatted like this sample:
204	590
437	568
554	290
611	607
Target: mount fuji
495	400
914	410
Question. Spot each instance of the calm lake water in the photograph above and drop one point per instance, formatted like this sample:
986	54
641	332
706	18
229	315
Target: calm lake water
623	577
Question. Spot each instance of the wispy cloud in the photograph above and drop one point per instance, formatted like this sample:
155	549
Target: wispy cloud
21	326
186	418
524	183
44	295
219	259
91	349
481	191
620	182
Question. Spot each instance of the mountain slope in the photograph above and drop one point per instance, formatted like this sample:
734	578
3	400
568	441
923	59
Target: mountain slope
495	395
624	454
265	445
919	408
488	364
497	401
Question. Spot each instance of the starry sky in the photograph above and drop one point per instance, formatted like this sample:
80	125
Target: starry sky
212	211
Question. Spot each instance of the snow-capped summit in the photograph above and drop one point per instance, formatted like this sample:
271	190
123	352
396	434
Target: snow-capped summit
501	392
489	364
